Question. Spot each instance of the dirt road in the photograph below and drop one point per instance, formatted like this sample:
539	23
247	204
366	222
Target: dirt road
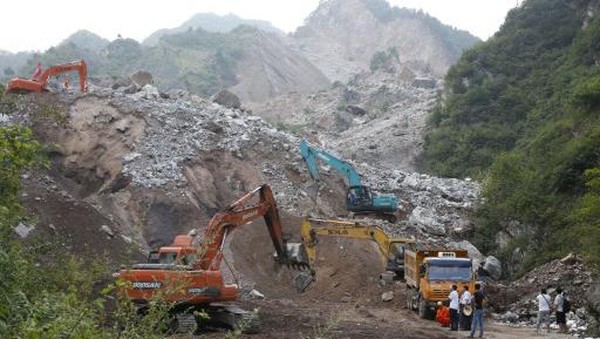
286	319
344	302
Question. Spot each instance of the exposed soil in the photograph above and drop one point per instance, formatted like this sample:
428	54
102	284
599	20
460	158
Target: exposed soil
85	206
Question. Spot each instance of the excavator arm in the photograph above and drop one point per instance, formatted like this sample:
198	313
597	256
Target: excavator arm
391	248
359	198
242	211
33	85
311	153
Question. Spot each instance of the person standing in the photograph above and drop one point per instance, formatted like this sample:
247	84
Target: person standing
477	302
465	309
561	315
543	300
37	72
454	308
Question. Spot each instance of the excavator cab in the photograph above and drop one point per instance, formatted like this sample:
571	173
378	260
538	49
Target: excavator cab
359	198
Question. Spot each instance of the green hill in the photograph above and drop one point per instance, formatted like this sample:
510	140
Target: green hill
196	60
521	111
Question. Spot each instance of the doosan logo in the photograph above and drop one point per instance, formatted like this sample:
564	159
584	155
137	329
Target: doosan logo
146	284
250	214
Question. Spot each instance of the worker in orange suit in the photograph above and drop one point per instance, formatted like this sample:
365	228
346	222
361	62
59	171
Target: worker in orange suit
443	314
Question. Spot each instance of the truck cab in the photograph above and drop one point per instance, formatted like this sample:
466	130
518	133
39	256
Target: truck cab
430	275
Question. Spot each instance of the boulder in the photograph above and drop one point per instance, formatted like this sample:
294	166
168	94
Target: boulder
142	78
570	259
355	110
387	296
424	82
593	304
121	82
493	267
510	317
227	99
426	220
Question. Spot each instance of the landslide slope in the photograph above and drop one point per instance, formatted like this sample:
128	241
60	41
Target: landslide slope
342	37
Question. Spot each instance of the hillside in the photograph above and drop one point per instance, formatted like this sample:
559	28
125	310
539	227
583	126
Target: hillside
376	117
212	23
508	140
257	62
342	37
201	62
11	63
127	172
521	111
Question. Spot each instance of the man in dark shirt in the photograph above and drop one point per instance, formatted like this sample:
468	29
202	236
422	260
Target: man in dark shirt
478	315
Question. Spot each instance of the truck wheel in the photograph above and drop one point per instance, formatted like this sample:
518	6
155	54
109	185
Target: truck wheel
423	313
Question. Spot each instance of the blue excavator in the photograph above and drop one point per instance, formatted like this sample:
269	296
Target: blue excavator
359	198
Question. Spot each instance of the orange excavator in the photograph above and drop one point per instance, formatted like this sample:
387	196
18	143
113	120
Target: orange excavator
21	85
187	273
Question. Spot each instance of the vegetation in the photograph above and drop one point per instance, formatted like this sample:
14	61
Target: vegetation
520	111
383	60
199	61
45	292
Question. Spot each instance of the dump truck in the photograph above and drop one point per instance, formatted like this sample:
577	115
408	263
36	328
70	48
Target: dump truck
430	274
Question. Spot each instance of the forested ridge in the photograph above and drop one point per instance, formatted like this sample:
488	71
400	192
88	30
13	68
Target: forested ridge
521	112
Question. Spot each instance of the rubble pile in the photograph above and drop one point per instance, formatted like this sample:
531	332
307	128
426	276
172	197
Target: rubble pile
377	118
515	303
177	130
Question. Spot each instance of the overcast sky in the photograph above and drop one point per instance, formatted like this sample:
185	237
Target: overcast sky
39	24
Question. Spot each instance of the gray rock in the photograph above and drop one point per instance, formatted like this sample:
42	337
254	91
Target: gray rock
387	296
142	78
227	99
510	317
23	230
426	221
424	82
493	267
107	230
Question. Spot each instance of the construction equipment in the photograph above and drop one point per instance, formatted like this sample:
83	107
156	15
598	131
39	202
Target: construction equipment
21	85
187	273
430	274
392	249
359	198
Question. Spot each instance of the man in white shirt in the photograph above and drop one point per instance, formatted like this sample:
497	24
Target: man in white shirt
543	300
454	308
465	316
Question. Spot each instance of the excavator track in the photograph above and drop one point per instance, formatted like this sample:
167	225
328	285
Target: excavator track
234	317
183	323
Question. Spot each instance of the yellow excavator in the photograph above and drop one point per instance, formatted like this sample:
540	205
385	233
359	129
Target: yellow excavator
392	249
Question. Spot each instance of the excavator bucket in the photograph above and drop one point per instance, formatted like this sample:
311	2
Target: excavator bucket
296	256
299	259
303	280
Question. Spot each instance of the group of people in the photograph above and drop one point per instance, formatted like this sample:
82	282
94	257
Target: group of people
545	306
464	310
